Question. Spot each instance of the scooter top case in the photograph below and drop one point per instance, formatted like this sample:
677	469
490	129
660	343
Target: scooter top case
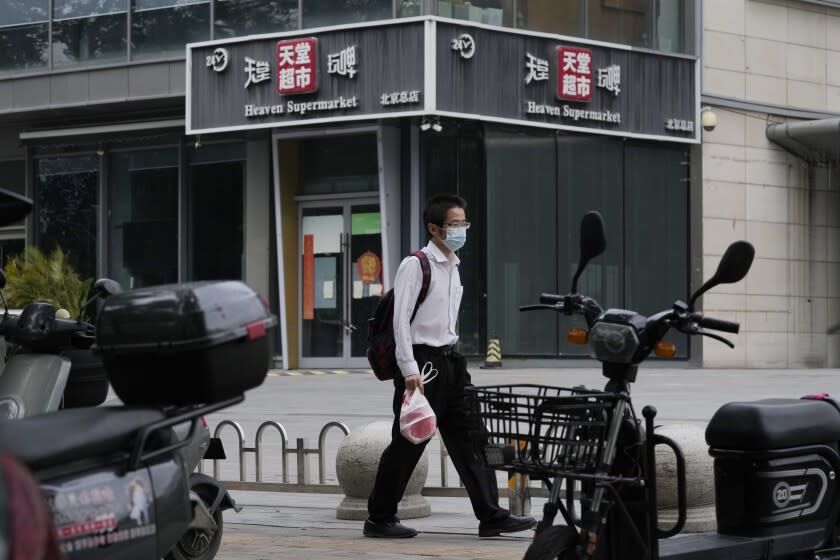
182	344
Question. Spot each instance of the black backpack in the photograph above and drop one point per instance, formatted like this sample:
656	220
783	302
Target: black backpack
381	352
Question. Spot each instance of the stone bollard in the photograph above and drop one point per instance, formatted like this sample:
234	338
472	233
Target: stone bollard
356	463
699	475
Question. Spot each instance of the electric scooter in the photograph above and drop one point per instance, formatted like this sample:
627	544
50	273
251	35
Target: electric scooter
775	461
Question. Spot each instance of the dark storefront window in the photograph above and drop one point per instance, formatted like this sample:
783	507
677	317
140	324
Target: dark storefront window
656	268
89	31
319	13
538	188
216	230
522	239
162	27
453	162
24	34
250	17
341	164
144	217
67	203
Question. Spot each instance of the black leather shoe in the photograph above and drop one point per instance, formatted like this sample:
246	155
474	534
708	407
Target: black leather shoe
388	530
509	524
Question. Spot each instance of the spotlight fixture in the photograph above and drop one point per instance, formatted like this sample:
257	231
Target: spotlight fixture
432	123
197	142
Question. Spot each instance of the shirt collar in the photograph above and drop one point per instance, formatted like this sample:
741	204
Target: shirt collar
438	255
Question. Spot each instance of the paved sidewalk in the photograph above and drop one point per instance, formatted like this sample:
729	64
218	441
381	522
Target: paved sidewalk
303	526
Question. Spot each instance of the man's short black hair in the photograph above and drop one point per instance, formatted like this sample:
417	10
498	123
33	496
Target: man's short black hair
438	207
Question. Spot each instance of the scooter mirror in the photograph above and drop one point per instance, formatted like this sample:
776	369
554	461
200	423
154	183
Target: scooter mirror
593	241
105	287
733	266
13	207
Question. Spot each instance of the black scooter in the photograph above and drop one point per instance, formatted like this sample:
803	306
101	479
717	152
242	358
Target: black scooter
775	461
118	479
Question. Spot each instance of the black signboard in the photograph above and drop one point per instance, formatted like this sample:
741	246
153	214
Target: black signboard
433	66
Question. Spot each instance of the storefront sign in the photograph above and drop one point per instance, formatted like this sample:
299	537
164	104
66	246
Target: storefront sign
433	66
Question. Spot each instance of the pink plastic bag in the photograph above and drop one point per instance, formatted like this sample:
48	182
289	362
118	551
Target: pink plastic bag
417	419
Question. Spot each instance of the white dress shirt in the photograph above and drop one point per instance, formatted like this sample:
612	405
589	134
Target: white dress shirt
434	324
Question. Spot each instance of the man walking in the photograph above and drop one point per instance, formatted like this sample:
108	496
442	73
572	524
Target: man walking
426	346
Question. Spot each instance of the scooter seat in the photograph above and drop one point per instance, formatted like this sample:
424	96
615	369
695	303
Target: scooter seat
774	424
58	438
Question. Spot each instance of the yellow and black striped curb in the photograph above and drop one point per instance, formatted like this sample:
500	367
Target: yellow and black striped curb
305	372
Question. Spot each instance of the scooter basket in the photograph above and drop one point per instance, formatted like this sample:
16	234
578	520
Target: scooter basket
545	430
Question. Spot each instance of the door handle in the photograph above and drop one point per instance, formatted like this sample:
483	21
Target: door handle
350	328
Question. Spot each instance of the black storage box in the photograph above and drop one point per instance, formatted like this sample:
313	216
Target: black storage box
775	465
87	384
180	344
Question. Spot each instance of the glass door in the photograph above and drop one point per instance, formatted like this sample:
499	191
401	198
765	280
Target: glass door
340	280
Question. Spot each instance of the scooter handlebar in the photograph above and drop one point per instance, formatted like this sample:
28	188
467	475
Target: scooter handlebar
719	325
551	299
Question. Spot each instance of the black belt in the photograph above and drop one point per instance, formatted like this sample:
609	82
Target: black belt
445	351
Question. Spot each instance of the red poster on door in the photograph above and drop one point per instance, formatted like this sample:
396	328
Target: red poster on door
308	277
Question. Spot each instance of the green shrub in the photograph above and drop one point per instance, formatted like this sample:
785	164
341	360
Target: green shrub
34	276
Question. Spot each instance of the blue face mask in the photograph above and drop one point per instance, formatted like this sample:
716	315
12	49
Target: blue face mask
455	238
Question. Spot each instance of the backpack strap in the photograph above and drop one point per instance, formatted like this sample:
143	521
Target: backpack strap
426	270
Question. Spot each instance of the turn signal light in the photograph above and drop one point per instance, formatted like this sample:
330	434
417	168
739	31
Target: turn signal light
577	336
665	350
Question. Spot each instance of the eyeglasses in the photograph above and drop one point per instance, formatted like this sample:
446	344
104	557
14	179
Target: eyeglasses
465	225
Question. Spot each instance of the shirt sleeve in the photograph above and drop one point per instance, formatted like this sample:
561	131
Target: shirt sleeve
407	286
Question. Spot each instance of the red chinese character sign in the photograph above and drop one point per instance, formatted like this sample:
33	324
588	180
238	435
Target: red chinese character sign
574	81
370	267
297	66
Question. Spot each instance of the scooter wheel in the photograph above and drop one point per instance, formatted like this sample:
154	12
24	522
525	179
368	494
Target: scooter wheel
555	542
199	544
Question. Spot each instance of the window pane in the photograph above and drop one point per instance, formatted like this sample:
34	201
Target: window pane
24	46
670	17
249	17
338	165
14	179
144	218
656	271
10	248
64	9
68	201
217	213
409	8
157	31
589	178
16	12
98	39
491	12
318	13
521	239
544	15
621	21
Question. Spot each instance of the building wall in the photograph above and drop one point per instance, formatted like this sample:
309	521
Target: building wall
784	54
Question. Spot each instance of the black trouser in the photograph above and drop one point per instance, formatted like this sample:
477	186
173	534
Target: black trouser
446	395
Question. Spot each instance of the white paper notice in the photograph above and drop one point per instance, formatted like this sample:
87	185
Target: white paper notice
376	290
329	290
358	289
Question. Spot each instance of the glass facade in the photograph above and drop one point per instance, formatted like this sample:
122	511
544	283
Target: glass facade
341	164
24	34
234	18
539	185
143	220
216	246
67	202
89	32
163	27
